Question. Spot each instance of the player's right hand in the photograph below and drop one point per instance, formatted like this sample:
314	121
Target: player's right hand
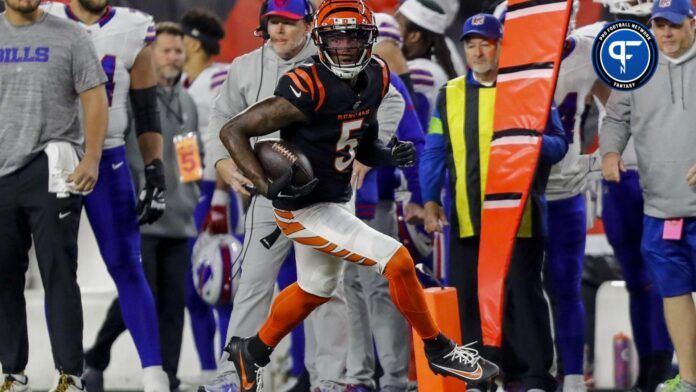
282	188
231	174
85	175
612	166
435	218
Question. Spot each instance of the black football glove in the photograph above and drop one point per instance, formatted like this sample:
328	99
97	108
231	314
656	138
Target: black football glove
403	153
151	202
282	188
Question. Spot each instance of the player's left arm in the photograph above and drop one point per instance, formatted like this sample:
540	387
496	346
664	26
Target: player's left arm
262	118
372	152
143	95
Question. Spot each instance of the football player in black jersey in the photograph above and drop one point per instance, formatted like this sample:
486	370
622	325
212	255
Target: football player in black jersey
328	108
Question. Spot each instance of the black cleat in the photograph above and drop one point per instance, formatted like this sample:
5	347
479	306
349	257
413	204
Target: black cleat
249	369
464	363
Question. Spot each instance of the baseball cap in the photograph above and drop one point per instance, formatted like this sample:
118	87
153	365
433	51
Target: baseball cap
485	25
290	9
673	10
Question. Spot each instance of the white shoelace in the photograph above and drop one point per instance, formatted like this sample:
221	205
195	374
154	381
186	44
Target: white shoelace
224	378
259	379
464	354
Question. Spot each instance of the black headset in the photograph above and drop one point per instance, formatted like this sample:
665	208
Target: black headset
262	30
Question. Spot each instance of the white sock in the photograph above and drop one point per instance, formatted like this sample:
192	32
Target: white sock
155	375
573	382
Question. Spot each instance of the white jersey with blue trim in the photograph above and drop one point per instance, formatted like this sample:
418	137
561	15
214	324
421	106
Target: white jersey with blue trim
204	89
427	77
575	80
118	36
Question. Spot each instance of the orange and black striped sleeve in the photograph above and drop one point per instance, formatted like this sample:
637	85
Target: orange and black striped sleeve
385	74
302	89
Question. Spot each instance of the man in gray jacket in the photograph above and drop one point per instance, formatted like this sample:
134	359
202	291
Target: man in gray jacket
164	243
660	117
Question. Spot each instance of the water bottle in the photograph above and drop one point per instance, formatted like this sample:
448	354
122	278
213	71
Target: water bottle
622	361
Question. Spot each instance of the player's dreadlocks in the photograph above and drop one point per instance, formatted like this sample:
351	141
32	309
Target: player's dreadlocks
433	42
437	47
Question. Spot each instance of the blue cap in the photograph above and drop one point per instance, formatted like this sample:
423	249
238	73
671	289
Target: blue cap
674	11
290	9
485	25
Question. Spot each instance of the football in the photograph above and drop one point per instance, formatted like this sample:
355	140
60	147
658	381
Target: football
277	155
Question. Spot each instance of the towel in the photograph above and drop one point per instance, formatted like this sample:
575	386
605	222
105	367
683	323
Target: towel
62	161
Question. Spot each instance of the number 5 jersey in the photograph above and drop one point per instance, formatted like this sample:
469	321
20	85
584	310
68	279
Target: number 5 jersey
339	119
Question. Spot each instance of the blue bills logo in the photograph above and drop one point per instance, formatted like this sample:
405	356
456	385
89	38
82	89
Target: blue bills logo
624	55
24	55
